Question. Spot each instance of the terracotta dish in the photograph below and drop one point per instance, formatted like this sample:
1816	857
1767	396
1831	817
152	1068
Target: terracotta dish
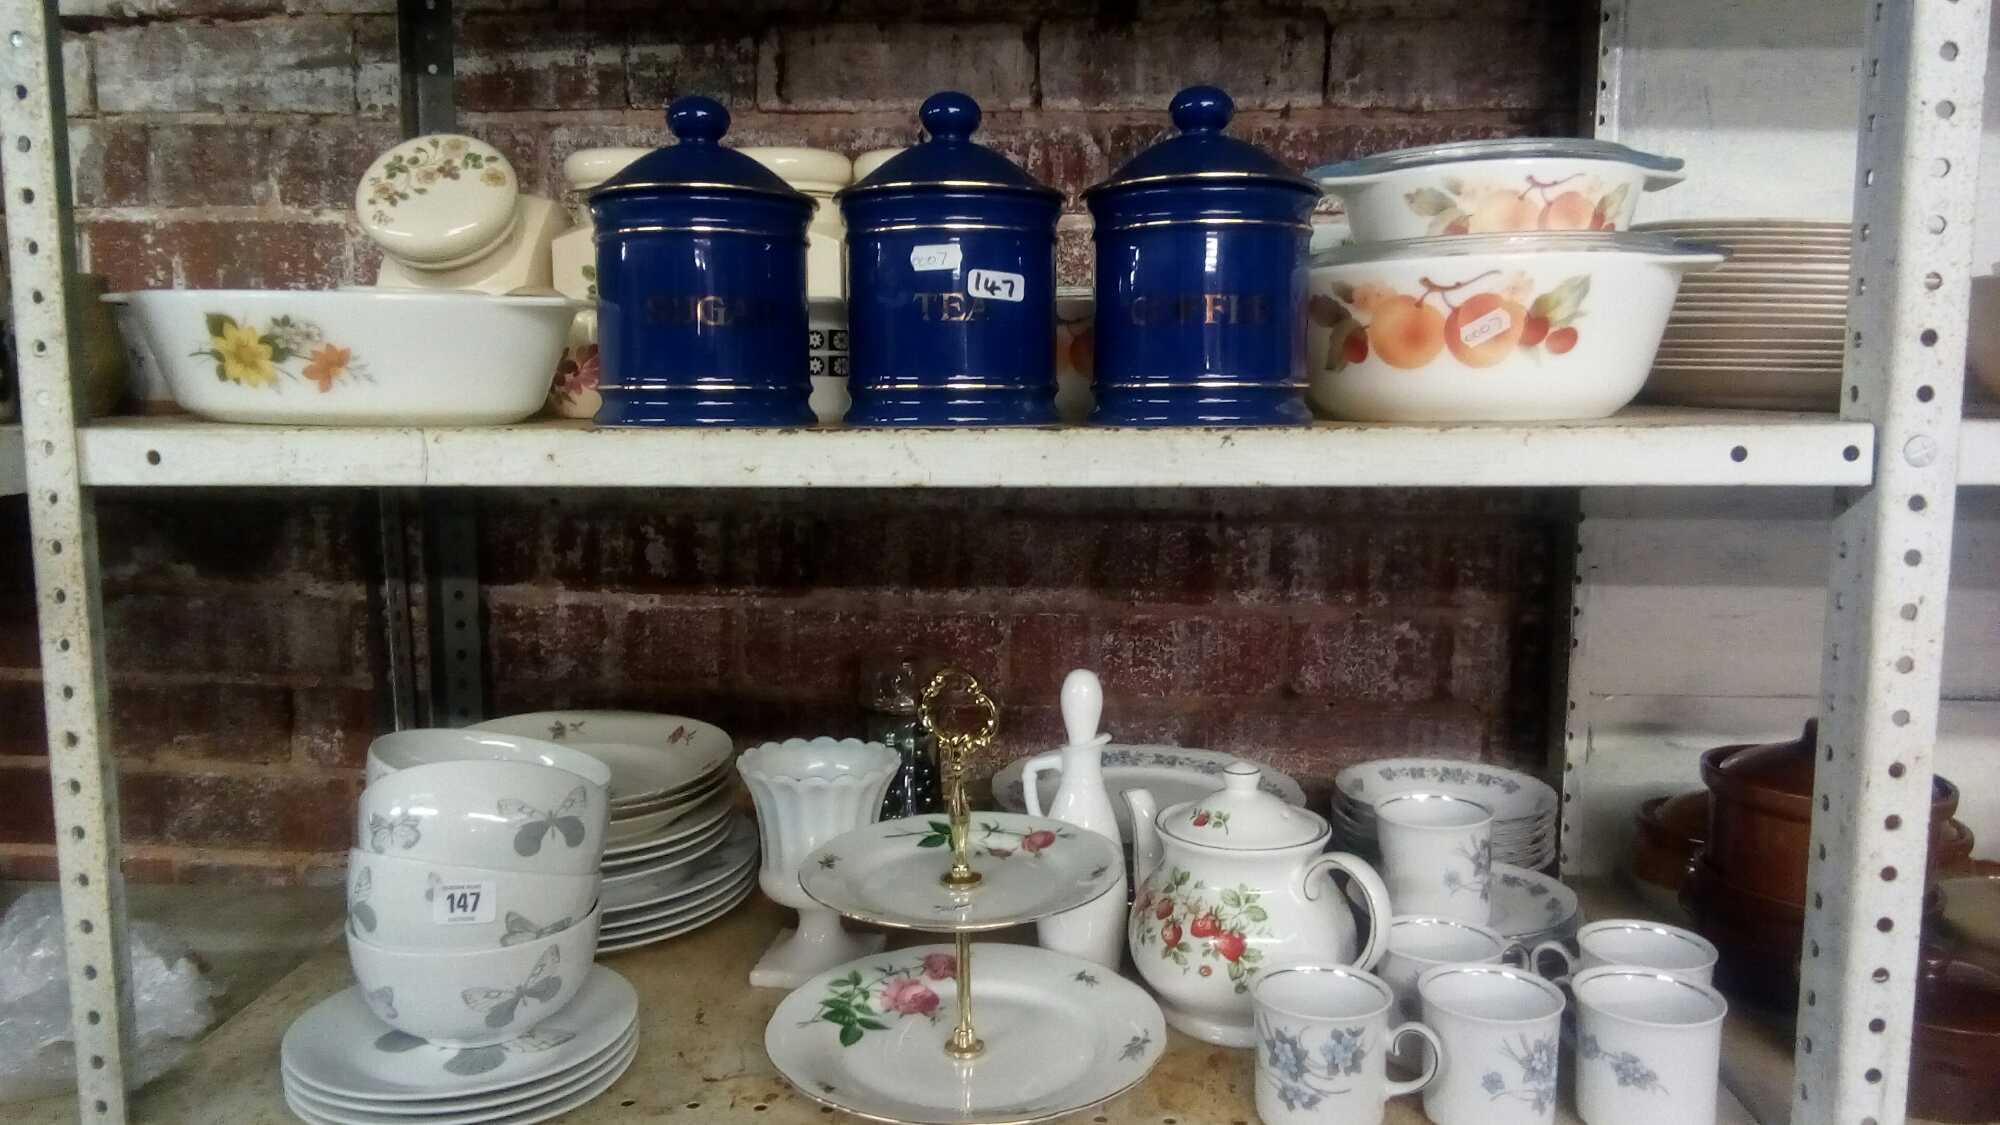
1671	831
1957	1040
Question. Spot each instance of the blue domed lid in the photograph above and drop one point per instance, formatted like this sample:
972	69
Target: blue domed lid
1203	151
950	157
698	159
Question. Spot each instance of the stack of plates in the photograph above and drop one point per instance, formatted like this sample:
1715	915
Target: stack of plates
343	1066
1524	808
678	854
1765	330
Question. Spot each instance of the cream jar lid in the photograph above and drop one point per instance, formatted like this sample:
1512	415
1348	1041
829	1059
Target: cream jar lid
587	167
807	169
438	201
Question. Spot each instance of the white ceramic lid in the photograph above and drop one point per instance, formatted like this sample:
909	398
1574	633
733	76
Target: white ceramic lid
588	167
867	162
1241	816
438	201
807	169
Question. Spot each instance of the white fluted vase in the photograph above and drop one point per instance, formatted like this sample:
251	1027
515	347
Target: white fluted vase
809	791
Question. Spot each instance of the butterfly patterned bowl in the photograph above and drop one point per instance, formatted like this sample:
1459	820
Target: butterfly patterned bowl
405	748
412	904
474	997
509	816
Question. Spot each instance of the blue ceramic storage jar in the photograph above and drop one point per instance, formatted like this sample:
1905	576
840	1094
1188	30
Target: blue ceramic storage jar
1201	279
951	283
701	285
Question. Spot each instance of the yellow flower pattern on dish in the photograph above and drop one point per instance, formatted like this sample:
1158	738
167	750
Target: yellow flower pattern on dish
288	349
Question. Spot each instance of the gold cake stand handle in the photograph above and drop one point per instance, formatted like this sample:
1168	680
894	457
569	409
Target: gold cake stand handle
954	747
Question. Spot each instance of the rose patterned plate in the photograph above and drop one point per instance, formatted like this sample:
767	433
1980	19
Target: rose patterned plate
888	873
1527	903
684	828
1174	774
684	926
667	880
550	1107
1061	1035
651	756
340	1047
474	1107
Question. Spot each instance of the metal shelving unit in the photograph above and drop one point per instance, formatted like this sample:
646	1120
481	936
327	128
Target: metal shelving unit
1894	450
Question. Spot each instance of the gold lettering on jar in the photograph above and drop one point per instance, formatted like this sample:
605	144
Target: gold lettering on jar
1201	308
950	307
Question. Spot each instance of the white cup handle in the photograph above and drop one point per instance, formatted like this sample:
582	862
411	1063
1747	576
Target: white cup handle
1433	1058
1031	784
1534	964
1518	955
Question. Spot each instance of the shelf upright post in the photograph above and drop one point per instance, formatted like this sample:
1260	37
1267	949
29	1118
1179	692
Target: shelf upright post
41	257
1923	70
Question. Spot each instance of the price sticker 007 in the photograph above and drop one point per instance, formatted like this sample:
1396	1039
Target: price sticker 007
462	904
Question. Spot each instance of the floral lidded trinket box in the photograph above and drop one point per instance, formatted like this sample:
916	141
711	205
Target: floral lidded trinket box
448	212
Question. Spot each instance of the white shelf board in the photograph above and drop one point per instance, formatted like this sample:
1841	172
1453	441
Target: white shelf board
1642	446
13	471
1979	449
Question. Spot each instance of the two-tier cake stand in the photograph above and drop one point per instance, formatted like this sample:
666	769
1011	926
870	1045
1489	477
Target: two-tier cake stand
892	1037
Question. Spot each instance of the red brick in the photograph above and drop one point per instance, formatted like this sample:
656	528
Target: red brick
1076	255
29	864
1153	655
201	254
108	163
24	793
508	61
1065	157
1385	659
661	66
288	812
378	77
168	9
333	726
203	721
168	542
655	644
241	871
834	66
273	633
1117	64
1451	64
1042	648
22	729
548	640
293	65
1305	143
1313	744
1157	560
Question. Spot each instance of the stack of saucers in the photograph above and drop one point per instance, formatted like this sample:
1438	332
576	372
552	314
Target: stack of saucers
680	854
1765	330
1524	808
472	922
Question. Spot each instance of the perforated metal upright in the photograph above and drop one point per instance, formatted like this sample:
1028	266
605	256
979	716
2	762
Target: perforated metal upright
1923	73
41	255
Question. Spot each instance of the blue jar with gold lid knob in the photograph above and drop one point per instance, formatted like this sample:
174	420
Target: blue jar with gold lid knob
951	283
701	285
1202	271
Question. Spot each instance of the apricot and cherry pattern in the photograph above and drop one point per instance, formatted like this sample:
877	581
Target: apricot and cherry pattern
1573	202
1480	320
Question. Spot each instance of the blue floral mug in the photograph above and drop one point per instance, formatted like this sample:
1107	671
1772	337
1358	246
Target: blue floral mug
1322	1034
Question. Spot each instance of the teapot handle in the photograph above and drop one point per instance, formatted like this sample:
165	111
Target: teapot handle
1374	895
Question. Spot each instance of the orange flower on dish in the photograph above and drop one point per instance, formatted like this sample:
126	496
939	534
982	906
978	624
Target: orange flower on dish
328	364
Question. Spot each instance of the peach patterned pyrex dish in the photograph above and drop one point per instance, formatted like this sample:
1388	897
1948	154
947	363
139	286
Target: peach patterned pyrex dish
1482	187
355	357
1488	328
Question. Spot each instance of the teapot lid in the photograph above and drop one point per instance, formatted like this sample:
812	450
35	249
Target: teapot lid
1240	816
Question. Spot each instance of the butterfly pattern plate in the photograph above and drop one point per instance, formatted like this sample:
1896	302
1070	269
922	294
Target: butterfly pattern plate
674	913
341	1047
543	1112
644	886
694	844
677	929
704	815
649	755
473	1107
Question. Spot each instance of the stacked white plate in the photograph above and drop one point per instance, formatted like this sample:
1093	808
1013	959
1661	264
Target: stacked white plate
1765	331
679	855
343	1066
1524	808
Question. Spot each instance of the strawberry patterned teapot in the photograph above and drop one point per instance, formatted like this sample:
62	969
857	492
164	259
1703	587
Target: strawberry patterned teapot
1232	884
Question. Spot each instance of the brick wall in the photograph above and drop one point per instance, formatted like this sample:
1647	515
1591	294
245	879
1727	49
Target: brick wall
216	143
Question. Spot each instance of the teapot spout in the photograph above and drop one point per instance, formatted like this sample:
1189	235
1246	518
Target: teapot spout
1146	849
